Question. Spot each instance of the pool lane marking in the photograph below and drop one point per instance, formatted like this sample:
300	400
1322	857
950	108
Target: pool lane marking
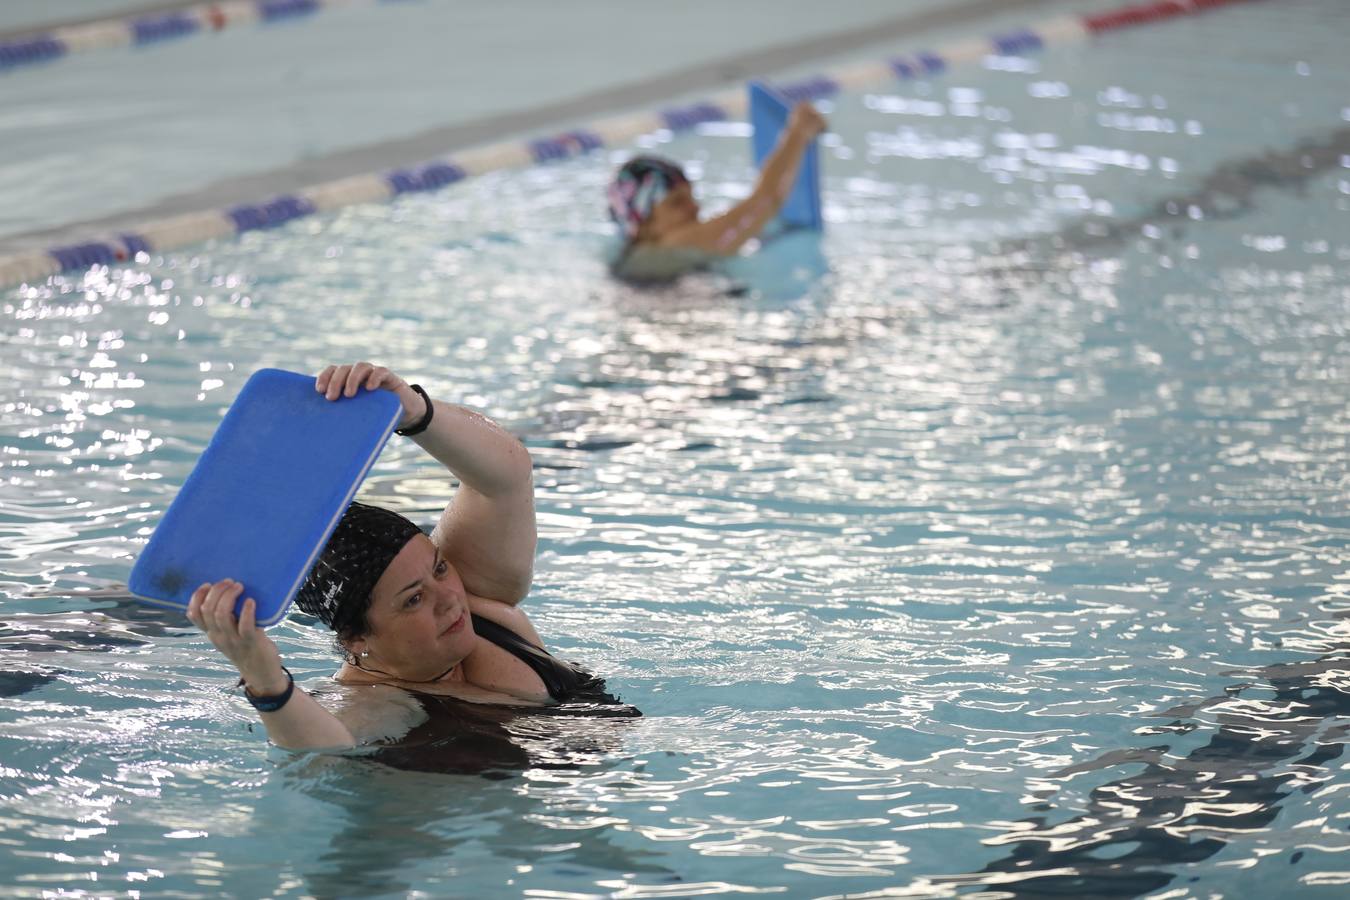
154	26
170	233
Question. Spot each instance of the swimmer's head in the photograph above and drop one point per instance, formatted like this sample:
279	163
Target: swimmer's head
640	188
338	589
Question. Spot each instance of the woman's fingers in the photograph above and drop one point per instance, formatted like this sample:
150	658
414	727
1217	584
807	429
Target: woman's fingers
248	618
201	608
337	382
194	608
355	376
345	381
381	377
218	608
341	380
211	609
239	638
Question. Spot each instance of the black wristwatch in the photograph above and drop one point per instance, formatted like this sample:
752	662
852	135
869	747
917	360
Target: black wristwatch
274	702
421	424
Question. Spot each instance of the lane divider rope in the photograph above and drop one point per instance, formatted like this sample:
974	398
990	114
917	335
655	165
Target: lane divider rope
46	45
192	228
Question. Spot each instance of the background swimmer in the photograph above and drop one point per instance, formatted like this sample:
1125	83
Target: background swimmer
652	201
433	614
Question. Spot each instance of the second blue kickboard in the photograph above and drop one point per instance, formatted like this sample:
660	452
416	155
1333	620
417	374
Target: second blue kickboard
769	112
266	493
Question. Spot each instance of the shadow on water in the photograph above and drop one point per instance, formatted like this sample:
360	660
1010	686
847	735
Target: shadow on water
1228	191
15	684
119	622
114	609
1138	829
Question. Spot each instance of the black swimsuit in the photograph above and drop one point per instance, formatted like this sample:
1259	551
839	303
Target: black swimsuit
478	738
564	682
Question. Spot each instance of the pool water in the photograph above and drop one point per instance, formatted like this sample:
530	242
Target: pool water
992	542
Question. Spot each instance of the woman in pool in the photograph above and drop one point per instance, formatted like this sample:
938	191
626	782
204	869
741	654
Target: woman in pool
653	204
436	615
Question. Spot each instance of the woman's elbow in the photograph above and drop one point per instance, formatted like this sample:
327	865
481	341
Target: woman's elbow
524	464
520	589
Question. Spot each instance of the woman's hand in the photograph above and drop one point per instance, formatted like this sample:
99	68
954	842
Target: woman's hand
344	381
301	724
806	120
250	649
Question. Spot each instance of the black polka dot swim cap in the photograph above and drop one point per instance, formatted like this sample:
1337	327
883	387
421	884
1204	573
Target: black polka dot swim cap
366	540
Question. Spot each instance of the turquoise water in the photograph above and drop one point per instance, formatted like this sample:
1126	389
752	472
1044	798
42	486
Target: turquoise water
993	542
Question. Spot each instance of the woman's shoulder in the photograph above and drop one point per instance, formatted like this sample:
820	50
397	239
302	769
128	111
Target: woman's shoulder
373	712
507	616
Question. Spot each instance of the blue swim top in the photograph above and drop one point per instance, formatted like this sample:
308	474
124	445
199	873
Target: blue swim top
639	185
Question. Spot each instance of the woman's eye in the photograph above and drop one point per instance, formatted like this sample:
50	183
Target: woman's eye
412	601
442	567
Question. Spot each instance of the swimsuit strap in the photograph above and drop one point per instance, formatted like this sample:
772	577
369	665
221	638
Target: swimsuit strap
560	679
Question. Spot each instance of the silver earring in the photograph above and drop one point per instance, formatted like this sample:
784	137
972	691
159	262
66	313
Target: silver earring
365	653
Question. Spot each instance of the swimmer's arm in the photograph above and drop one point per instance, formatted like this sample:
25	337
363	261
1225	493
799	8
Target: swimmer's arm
727	233
302	724
488	530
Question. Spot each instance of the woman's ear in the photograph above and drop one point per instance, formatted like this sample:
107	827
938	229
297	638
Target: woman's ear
356	648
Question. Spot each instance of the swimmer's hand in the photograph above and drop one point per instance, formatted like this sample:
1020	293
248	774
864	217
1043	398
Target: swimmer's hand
301	724
806	120
250	649
344	381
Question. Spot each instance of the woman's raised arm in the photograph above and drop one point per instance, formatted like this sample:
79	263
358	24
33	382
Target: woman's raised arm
487	532
727	233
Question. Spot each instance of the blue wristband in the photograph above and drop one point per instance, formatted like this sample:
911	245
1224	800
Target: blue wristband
275	702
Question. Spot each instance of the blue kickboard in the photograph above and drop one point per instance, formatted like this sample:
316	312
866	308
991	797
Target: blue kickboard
769	112
266	493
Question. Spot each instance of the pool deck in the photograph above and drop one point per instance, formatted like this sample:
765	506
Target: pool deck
499	104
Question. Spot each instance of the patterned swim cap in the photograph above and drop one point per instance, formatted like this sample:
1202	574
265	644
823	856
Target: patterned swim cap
338	588
642	183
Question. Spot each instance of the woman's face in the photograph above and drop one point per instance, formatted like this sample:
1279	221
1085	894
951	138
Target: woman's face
676	209
419	616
